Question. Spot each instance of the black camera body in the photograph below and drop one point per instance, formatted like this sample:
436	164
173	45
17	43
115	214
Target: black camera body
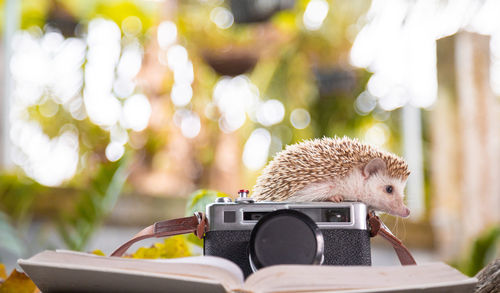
304	233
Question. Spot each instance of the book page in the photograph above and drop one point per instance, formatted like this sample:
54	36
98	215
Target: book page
203	269
299	278
212	261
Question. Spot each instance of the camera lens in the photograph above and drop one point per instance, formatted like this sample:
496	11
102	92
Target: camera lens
285	237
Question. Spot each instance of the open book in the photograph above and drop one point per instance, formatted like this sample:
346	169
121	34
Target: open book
67	271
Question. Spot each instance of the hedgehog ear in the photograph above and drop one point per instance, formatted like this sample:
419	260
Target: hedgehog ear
374	166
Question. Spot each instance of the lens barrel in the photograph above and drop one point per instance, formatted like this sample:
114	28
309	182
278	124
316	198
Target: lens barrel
285	237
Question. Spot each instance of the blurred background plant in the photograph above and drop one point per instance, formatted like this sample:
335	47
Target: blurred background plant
114	112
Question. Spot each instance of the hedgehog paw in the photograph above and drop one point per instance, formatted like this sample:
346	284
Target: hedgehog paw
336	198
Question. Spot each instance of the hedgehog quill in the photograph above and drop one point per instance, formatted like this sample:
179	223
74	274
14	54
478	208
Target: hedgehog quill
336	169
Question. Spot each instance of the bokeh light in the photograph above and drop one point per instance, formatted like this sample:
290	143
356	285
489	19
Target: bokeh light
300	118
48	72
315	14
131	25
398	44
181	94
222	17
114	151
377	134
270	112
256	149
167	34
177	56
365	103
190	125
136	112
130	61
235	97
48	161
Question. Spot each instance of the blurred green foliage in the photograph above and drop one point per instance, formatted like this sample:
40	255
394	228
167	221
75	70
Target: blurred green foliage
36	12
197	202
9	237
193	22
96	201
484	249
80	212
119	11
17	195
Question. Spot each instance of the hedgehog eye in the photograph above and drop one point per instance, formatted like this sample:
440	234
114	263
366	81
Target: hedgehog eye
389	189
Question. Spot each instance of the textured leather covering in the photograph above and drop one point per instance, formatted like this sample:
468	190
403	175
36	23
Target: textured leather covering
232	245
342	247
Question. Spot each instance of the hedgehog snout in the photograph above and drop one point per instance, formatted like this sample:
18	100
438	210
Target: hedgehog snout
405	212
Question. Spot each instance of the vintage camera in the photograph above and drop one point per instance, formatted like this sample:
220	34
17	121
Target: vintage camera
258	234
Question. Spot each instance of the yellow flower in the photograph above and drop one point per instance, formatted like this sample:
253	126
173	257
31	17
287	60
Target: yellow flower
171	247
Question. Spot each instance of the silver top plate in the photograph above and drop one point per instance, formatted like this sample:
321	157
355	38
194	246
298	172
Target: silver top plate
327	215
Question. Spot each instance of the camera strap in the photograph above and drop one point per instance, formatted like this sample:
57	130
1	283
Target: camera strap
377	227
198	225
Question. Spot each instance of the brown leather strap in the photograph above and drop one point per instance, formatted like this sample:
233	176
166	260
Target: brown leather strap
378	228
196	224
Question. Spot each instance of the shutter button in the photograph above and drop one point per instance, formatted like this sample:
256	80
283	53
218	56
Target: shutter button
243	197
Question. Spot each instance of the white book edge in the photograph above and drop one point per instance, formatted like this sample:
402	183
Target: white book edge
471	281
121	271
193	268
347	278
61	259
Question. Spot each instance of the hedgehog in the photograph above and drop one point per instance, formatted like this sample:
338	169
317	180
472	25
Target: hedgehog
336	169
